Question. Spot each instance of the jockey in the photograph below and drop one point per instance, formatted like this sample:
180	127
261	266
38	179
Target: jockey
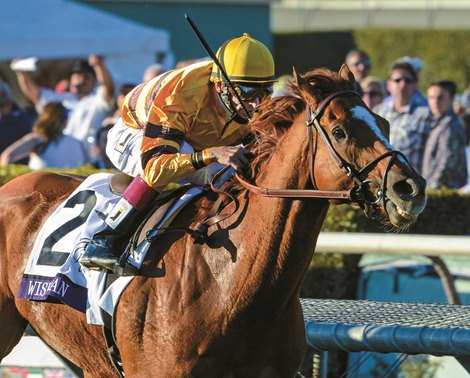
174	127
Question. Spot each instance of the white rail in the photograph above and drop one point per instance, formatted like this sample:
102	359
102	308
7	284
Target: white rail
438	329
401	244
320	15
375	4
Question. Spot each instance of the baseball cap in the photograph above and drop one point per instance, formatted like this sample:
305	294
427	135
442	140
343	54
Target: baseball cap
414	62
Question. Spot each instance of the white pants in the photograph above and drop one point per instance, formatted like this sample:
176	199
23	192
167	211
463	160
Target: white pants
123	149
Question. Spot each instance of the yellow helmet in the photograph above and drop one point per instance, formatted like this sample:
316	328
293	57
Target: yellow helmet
245	60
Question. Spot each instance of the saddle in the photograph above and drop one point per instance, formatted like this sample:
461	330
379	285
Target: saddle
119	183
158	219
164	209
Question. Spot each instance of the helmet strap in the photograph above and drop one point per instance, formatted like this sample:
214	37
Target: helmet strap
226	99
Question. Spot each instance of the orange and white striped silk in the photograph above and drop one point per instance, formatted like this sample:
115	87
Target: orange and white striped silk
179	105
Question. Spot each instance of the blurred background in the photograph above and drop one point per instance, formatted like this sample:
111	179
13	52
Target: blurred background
132	35
301	33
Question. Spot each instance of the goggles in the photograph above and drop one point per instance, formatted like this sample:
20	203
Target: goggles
250	93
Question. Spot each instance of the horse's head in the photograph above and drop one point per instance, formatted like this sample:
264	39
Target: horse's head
350	150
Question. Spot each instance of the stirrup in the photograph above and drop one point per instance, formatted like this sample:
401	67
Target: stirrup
125	269
102	257
120	268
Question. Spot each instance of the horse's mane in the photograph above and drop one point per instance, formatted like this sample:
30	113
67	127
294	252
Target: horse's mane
274	118
276	115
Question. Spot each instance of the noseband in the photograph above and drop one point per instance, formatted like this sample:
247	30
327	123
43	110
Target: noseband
358	193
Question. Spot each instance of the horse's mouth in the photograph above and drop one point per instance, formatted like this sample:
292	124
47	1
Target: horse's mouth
399	217
408	216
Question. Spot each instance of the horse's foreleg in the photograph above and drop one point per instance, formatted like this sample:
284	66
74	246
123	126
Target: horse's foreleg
13	325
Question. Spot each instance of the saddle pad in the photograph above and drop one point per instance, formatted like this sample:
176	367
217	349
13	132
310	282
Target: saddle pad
53	272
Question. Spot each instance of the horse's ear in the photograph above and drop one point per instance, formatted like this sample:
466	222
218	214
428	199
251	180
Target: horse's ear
298	79
346	74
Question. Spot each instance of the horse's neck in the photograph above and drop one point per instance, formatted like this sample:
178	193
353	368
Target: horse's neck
284	233
277	236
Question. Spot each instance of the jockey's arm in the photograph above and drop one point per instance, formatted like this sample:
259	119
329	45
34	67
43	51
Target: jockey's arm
164	164
162	161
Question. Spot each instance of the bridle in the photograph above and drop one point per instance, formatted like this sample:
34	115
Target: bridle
358	193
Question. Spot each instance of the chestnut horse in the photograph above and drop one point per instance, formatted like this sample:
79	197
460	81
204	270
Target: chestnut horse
228	307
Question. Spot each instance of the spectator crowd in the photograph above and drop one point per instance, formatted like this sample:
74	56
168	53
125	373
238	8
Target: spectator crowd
431	129
69	124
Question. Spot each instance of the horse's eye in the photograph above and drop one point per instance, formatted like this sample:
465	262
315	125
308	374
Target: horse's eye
339	134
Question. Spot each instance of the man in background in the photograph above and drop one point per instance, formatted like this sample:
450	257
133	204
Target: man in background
152	71
359	63
444	160
407	117
89	99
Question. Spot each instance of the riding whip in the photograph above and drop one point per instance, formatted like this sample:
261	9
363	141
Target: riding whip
217	62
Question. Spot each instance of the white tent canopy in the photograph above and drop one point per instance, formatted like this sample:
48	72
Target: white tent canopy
62	29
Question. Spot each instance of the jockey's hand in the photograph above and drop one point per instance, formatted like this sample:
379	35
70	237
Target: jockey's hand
236	156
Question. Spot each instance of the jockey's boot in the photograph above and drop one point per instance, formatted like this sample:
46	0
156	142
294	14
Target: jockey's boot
108	244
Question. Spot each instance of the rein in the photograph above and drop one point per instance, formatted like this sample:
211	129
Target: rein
355	194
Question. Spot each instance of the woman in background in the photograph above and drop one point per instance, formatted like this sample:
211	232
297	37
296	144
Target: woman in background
47	146
373	91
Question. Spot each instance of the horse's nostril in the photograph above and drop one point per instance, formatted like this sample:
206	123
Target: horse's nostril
405	188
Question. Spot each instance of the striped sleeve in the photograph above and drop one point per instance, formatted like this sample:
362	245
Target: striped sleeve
161	158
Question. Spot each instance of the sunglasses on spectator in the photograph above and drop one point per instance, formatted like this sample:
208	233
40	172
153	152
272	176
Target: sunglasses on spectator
372	93
249	93
365	62
407	80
